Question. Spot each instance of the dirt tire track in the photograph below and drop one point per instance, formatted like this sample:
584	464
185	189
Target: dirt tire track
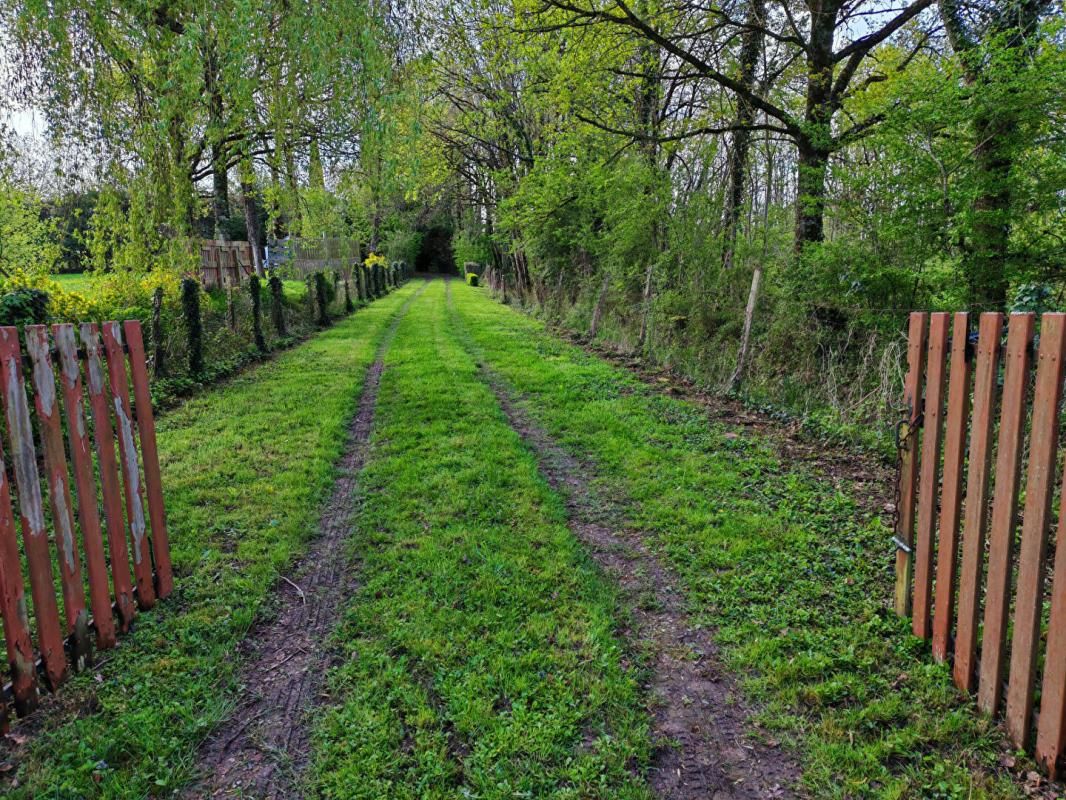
262	749
702	729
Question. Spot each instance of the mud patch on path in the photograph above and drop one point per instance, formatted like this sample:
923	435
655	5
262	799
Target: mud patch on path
264	746
704	744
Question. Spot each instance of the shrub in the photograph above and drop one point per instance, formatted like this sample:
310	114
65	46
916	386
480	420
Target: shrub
471	279
24	306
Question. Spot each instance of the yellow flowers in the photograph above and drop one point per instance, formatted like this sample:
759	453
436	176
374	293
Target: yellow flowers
374	260
62	305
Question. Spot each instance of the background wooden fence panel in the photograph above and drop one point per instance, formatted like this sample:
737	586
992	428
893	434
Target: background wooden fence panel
224	264
987	575
58	428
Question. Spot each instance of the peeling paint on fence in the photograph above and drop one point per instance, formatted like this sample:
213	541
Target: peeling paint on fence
45	434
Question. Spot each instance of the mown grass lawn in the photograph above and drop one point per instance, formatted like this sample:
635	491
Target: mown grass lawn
245	468
793	575
479	658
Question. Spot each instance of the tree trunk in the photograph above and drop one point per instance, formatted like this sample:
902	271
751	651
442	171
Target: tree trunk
988	251
986	254
813	164
815	144
251	217
597	310
750	49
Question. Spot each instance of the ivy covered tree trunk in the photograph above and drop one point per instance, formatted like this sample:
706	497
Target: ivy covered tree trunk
1010	28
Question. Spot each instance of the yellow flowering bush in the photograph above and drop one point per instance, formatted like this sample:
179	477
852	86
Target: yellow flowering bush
62	305
374	259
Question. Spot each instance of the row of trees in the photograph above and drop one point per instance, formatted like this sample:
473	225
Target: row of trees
193	119
653	169
697	180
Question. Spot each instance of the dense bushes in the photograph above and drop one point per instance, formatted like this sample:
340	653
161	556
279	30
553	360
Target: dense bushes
195	336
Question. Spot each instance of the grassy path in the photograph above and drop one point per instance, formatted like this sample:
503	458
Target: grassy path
261	750
480	655
793	576
246	467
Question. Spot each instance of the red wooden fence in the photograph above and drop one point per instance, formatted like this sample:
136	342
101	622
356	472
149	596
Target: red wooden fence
981	593
80	560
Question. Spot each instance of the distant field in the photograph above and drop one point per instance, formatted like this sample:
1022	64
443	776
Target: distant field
78	282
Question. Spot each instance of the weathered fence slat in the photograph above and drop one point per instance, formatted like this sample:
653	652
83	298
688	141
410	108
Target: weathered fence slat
82	461
1051	732
127	448
1004	511
932	430
908	474
104	437
13	607
49	659
150	457
1032	551
31	509
55	464
951	493
977	485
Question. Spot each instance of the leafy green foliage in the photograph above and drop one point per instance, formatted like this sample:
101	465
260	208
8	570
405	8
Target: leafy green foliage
23	307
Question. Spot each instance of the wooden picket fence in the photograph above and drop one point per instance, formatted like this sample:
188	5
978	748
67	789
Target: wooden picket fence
111	604
972	409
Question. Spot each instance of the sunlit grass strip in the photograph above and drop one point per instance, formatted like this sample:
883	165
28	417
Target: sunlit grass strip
479	657
796	578
245	468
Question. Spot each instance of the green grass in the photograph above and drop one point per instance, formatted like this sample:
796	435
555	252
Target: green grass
245	468
793	575
479	657
75	282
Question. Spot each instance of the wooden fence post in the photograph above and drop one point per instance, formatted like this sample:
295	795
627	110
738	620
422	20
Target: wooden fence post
142	398
34	534
932	430
82	460
1004	510
120	400
977	484
1032	551
908	475
16	619
1051	734
951	499
104	438
277	305
158	354
55	465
